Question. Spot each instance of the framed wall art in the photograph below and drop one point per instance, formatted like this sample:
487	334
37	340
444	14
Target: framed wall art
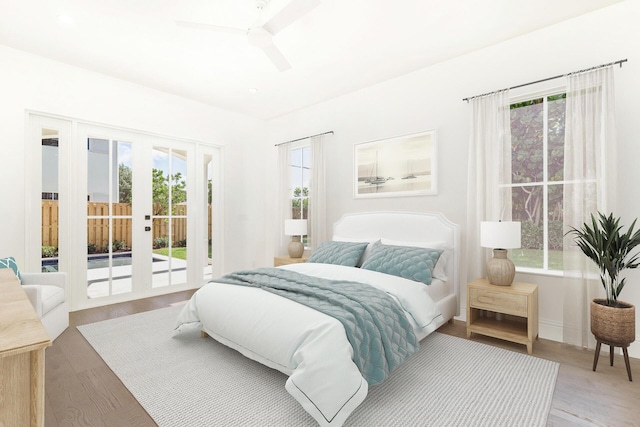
401	166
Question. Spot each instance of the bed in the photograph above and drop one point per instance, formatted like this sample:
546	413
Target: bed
330	362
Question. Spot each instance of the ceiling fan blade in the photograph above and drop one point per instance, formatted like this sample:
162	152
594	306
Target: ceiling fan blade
278	59
210	27
293	11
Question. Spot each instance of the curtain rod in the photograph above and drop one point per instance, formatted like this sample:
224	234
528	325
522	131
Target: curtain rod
621	61
306	137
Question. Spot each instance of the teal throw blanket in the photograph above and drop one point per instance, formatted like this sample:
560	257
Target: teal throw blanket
380	334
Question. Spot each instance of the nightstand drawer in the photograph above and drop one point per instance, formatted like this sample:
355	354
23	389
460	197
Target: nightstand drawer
498	301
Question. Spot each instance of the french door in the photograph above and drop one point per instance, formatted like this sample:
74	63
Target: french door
138	214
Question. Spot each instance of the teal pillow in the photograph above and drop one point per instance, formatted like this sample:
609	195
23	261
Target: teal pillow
10	262
340	253
403	261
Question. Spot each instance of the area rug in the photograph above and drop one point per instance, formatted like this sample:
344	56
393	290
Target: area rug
184	380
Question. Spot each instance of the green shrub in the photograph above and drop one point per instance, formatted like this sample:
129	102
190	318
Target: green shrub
49	251
531	235
118	245
92	248
160	242
180	243
555	235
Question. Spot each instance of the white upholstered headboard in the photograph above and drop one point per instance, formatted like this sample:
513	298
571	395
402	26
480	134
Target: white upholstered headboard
405	227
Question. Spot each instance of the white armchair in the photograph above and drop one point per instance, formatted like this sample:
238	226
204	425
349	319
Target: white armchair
48	295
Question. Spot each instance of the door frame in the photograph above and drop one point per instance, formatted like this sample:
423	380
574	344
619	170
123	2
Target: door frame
72	189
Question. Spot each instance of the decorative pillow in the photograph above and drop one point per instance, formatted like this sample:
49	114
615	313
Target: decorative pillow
438	271
340	253
367	250
10	262
403	261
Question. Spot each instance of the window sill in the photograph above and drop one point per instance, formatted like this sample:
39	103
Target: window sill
540	272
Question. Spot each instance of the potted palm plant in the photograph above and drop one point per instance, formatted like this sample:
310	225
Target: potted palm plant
604	242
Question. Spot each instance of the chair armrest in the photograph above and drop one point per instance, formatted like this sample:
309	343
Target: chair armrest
34	293
56	279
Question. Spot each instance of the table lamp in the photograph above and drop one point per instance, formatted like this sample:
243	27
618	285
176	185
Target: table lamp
500	236
295	228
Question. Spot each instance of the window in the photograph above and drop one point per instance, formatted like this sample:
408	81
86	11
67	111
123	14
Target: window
300	176
537	168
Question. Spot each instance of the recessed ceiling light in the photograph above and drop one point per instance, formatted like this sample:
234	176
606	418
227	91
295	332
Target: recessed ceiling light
65	19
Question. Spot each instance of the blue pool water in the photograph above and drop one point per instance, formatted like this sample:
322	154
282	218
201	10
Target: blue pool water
94	261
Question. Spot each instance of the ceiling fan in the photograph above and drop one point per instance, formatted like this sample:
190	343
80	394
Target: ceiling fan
261	34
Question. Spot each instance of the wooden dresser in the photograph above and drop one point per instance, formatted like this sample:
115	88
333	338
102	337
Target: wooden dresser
22	343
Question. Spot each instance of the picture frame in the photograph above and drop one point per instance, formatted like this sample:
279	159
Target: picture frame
395	167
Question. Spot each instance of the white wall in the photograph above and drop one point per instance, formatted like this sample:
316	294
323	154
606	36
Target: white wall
431	98
426	99
29	82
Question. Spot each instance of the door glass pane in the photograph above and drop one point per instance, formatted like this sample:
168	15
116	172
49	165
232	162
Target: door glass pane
179	181
50	211
109	217
169	181
208	264
121	211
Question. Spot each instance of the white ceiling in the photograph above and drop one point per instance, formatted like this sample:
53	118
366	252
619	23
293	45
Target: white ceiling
338	47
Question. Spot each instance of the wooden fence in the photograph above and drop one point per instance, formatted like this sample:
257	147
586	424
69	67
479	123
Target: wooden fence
98	228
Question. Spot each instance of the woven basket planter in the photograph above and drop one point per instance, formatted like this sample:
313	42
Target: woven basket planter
613	325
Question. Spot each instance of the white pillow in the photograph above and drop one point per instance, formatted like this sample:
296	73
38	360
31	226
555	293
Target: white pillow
367	250
438	270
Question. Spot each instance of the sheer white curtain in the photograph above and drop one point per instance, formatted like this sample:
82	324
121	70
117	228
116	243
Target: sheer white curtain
489	167
317	224
284	197
589	168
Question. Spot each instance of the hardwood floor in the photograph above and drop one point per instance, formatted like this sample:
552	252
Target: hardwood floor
581	397
82	391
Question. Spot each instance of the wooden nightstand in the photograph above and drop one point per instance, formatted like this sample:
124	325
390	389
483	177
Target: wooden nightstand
517	304
284	260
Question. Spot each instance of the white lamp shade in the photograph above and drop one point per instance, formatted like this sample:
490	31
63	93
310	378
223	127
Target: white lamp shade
295	227
500	234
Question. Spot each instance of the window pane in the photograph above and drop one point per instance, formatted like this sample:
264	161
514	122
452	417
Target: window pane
555	227
296	157
555	133
306	178
306	157
300	177
527	134
527	208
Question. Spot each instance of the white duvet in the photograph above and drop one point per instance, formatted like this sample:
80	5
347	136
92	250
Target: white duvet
309	346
